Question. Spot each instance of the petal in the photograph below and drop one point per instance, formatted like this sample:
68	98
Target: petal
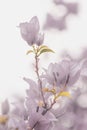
5	107
39	121
34	21
40	39
29	31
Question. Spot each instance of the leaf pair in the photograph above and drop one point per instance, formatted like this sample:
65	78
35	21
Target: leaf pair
40	50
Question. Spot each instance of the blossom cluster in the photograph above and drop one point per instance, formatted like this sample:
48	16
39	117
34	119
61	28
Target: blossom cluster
53	20
50	103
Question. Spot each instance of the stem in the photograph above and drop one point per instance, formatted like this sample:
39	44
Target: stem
40	83
39	80
44	112
54	101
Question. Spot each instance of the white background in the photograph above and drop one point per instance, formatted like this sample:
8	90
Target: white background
14	64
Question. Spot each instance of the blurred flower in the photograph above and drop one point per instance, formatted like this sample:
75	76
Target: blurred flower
30	32
59	24
16	123
5	107
19	110
83	58
53	20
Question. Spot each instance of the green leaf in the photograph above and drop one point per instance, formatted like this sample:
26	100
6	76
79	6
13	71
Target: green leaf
42	46
29	51
66	94
44	49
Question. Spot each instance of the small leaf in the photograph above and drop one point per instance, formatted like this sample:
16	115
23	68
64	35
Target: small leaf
45	50
53	91
42	46
66	94
28	52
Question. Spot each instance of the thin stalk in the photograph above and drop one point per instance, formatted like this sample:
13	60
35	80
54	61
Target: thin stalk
39	80
40	83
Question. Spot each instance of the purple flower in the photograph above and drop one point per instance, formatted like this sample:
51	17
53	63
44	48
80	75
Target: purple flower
4	127
67	72
16	122
39	122
20	110
33	96
84	71
30	32
5	107
83	59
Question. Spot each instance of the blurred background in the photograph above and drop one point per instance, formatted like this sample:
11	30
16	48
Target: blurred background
64	23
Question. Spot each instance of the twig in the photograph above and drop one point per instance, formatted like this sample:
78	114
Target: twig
39	80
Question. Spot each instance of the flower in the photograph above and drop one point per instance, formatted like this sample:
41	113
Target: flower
30	32
5	107
39	121
16	123
33	96
83	59
67	72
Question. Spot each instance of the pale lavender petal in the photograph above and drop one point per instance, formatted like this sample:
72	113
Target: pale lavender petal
29	31
39	121
40	39
5	107
35	24
64	72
